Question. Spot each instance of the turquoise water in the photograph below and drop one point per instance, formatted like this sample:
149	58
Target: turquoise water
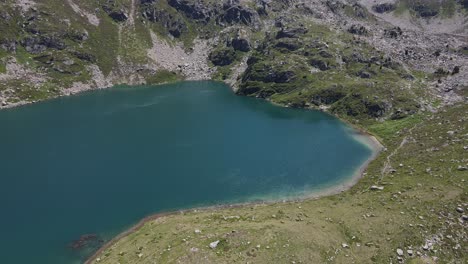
100	161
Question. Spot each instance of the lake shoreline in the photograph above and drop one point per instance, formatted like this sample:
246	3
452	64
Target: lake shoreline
363	136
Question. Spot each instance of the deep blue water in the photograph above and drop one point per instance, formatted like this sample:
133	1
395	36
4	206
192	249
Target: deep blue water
100	161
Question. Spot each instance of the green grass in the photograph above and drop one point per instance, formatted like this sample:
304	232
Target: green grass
163	76
388	129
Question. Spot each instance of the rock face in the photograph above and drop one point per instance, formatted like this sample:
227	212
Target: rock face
174	24
222	57
234	13
195	10
38	44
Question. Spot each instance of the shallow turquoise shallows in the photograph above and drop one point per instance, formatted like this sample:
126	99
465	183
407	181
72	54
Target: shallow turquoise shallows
100	161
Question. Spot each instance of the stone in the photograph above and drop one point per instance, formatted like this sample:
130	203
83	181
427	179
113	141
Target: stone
197	231
376	188
410	252
460	210
462	168
214	244
344	245
465	217
399	252
364	74
140	255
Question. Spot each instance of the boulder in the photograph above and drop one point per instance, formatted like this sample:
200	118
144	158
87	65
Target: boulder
393	32
214	244
119	15
291	32
364	74
115	10
399	252
320	64
358	30
384	7
288	44
240	44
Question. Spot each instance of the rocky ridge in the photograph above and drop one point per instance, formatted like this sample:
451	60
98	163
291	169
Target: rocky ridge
127	41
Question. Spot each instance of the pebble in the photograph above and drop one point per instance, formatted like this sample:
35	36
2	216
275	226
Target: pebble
344	245
140	255
410	252
460	210
465	217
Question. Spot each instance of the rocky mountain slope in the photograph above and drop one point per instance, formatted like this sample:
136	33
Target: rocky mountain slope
361	59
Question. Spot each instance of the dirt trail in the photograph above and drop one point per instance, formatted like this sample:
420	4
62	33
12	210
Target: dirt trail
387	165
